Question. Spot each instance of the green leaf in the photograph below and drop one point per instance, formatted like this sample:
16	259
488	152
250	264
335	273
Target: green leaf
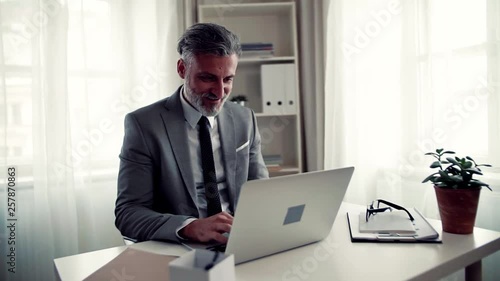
444	175
430	178
454	161
474	171
478	183
452	170
427	179
456	178
435	164
467	165
455	172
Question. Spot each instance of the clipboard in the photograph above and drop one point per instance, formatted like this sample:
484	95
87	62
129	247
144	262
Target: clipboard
425	233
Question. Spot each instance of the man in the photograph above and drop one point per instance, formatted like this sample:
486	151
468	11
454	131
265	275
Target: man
170	186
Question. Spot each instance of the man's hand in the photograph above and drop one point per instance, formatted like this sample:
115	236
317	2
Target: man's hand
209	229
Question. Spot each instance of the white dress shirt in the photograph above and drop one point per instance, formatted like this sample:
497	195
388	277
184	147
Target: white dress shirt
192	116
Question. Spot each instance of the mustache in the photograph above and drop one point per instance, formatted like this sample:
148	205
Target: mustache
213	96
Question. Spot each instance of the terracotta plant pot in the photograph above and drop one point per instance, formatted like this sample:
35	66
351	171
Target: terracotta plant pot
457	208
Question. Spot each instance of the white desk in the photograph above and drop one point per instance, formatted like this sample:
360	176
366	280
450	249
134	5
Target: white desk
334	258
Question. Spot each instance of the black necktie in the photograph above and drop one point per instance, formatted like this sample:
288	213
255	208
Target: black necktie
207	163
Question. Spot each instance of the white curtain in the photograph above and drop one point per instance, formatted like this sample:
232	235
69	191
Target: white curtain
69	72
403	78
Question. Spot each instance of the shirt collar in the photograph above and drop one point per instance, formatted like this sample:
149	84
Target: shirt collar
191	114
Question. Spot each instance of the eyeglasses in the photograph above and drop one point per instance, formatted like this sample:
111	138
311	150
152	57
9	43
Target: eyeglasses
212	263
371	211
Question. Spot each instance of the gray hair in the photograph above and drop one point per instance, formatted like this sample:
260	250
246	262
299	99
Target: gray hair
208	38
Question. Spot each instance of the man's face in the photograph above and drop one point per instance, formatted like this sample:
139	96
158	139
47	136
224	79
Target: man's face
208	81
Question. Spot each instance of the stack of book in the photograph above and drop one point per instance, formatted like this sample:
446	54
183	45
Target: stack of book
257	50
273	162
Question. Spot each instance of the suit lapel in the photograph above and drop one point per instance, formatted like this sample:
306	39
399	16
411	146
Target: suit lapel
228	142
174	122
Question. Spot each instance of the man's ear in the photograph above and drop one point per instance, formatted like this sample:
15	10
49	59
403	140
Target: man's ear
181	68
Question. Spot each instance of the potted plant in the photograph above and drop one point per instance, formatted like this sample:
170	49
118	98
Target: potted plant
240	99
457	192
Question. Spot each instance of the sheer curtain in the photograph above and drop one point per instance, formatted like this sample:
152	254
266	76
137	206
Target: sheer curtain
404	78
69	72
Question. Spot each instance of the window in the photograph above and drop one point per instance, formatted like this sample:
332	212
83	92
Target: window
455	77
94	74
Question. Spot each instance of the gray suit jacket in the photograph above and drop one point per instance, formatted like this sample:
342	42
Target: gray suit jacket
156	189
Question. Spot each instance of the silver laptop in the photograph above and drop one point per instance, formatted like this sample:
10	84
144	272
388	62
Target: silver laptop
278	214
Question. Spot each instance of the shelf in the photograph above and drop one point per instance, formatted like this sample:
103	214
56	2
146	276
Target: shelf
249	9
282	171
265	60
263	115
274	23
257	22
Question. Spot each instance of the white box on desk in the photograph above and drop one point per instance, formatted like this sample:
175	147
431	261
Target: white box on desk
191	266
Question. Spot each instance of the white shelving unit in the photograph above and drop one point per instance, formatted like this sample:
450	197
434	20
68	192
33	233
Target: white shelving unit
265	22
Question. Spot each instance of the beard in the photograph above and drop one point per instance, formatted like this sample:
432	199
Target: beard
196	100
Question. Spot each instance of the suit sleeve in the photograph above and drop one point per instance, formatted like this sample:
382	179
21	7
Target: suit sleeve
257	168
134	213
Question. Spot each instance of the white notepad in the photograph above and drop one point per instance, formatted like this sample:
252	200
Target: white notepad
387	222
